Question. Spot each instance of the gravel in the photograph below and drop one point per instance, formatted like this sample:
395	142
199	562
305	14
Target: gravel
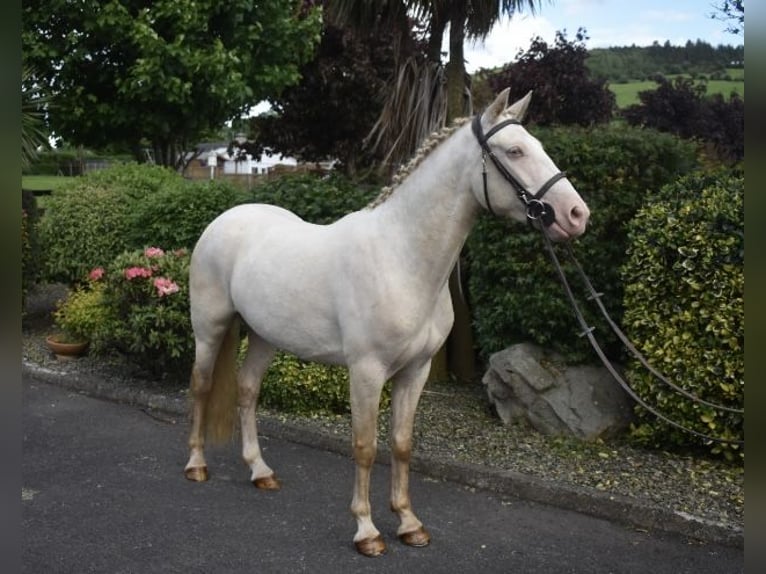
455	424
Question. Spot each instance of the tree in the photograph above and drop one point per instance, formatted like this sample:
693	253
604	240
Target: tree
564	91
335	104
33	133
733	13
162	72
681	107
425	94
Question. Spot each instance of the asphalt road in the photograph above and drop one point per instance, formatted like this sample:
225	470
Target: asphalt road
104	491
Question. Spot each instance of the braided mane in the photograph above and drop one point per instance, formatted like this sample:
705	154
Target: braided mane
428	145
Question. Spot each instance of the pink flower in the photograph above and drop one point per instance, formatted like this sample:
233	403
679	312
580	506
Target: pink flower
96	273
133	272
165	286
153	252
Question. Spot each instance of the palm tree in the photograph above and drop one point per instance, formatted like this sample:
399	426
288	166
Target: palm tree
33	133
424	94
471	20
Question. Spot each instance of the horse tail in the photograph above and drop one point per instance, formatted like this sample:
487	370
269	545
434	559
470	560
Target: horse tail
221	407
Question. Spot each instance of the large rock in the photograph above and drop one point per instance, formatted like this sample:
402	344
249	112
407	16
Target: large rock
525	383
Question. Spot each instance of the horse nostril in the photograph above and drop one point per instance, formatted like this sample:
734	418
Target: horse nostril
578	215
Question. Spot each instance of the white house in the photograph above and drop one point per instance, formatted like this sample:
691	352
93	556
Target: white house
216	154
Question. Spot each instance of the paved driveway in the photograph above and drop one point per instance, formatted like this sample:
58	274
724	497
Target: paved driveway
103	491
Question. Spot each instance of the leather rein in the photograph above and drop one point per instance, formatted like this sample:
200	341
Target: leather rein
539	210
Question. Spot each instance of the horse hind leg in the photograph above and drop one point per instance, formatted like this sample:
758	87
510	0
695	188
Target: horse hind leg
259	356
213	393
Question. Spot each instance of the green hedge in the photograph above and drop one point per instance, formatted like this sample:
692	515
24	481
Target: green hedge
315	198
514	292
304	388
70	161
31	252
176	215
93	218
89	220
684	307
55	162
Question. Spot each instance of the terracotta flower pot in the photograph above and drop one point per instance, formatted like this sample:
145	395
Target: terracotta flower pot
65	350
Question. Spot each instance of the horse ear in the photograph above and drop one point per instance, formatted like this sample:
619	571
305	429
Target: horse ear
519	108
497	107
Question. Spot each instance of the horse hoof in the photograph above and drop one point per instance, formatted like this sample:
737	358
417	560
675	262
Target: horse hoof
417	538
267	483
197	473
371	547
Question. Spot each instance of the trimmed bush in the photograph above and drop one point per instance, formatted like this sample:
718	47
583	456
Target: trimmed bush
89	220
315	198
684	308
98	216
305	388
31	254
176	215
514	291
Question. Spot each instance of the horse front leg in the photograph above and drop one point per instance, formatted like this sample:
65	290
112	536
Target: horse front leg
259	356
407	388
366	386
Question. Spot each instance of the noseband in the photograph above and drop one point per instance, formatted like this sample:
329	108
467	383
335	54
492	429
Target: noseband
537	209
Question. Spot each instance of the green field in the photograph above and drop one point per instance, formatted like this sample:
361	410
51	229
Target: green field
42	182
627	94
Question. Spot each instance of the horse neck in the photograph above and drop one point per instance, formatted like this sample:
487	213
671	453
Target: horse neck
429	216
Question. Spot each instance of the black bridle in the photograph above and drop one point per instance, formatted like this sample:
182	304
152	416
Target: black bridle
537	209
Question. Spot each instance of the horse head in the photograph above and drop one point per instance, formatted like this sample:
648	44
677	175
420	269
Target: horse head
516	173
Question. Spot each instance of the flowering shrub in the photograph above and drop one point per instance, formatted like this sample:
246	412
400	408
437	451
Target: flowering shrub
137	305
148	292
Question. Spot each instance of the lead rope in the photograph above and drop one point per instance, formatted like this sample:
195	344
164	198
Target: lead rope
588	332
596	296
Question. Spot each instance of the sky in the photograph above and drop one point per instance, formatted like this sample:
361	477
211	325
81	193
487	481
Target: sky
607	22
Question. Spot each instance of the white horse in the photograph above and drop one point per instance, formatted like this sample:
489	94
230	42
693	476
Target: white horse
369	291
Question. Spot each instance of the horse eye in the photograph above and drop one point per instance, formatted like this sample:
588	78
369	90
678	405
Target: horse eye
515	151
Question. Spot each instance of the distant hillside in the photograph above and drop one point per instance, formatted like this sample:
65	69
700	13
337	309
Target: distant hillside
634	63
